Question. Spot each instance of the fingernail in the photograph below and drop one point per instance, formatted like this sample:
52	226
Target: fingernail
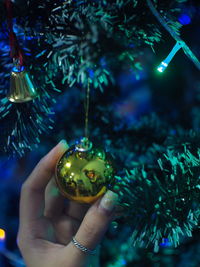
108	201
63	143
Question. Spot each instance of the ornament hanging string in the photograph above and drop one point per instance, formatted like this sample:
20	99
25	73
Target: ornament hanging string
87	102
16	52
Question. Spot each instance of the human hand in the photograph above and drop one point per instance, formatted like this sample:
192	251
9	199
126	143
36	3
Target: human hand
47	223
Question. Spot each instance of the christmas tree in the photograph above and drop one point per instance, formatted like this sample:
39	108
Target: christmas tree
105	67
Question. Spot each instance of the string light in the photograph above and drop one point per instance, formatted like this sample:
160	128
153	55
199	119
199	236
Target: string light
2	235
188	52
2	239
164	64
184	19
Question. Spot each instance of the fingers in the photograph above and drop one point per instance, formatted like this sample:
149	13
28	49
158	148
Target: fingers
94	225
32	195
54	201
76	210
55	204
96	221
64	228
44	170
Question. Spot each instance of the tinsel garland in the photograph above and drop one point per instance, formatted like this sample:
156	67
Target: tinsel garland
81	40
22	125
78	41
91	40
127	255
160	186
162	200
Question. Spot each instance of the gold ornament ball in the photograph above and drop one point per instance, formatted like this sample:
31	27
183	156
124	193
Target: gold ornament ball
83	175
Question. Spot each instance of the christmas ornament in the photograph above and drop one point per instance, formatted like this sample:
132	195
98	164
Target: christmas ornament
21	86
84	173
21	124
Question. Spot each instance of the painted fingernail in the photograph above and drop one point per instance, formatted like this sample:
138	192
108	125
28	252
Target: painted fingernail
63	143
108	201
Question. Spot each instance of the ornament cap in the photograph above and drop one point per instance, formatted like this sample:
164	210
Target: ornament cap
84	144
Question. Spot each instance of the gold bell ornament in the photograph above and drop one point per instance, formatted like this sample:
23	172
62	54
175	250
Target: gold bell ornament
84	173
21	86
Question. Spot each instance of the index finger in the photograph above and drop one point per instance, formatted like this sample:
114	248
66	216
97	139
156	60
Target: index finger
32	194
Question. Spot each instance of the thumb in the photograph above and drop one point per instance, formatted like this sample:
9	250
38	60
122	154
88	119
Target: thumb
95	223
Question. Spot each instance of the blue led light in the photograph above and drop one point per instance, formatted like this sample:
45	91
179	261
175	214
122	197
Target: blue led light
165	243
123	262
103	62
91	73
184	19
131	45
18	69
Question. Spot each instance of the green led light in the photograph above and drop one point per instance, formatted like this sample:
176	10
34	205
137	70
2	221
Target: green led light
164	64
162	67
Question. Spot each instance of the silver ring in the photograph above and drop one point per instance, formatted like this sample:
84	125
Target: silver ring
83	248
